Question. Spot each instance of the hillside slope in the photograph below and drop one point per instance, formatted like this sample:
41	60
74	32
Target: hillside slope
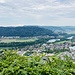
60	28
54	28
25	31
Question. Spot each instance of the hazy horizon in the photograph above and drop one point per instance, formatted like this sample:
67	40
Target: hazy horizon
36	25
37	12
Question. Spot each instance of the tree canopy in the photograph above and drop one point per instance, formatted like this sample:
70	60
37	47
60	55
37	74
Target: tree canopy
25	31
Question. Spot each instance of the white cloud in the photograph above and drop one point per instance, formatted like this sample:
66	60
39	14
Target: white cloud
2	1
36	11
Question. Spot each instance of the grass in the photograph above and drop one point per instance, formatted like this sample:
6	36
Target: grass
7	48
17	40
61	42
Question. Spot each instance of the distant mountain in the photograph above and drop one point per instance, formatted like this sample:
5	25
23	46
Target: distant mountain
60	29
68	28
54	28
25	31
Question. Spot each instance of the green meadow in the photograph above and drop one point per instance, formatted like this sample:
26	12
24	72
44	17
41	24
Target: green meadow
61	42
17	40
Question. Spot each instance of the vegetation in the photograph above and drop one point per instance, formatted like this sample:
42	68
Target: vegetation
13	64
17	40
61	42
22	44
67	29
26	31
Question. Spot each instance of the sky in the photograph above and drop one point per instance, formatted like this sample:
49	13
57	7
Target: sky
37	12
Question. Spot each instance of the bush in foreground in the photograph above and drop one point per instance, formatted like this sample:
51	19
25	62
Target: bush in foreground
14	64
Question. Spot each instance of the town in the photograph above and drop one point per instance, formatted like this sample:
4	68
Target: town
52	46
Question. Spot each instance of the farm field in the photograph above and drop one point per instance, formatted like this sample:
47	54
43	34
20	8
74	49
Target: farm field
8	48
61	42
7	40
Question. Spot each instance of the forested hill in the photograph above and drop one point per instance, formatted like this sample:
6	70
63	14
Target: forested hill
25	31
54	28
63	29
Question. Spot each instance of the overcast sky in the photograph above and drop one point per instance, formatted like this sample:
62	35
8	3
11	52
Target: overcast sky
37	12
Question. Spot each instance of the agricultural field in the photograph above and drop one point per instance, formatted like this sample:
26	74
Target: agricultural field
7	40
61	42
